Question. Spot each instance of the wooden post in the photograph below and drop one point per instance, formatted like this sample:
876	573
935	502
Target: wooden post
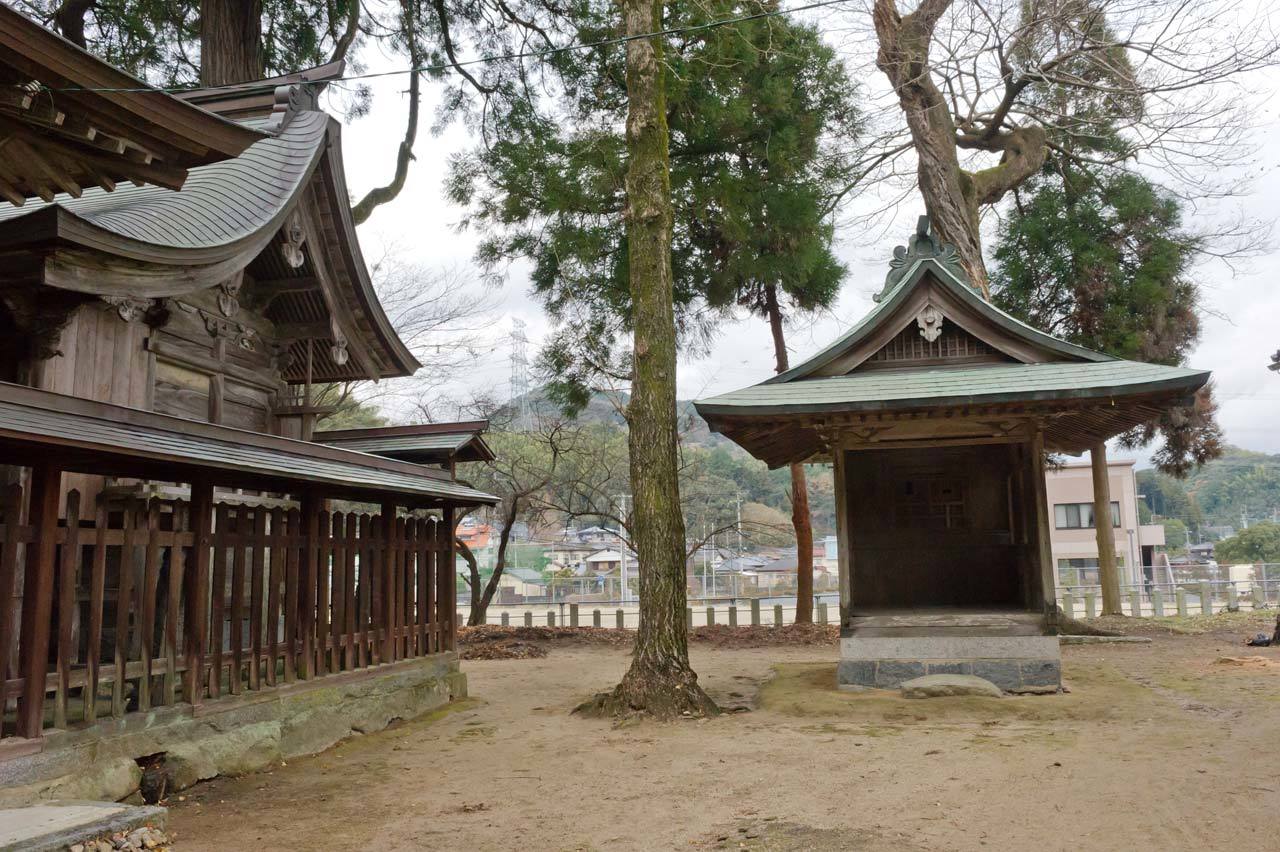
389	591
844	544
37	596
1108	575
1043	550
312	506
449	579
195	620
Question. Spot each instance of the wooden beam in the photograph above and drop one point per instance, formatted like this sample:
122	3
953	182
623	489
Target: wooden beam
1108	576
37	596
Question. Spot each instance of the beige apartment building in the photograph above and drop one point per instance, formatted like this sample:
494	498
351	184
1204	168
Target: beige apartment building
1072	534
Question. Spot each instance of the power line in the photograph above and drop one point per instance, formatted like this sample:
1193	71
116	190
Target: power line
481	60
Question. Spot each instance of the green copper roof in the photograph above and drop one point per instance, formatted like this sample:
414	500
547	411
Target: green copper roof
988	383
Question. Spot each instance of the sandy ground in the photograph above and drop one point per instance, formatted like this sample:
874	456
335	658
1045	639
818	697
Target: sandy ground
1157	746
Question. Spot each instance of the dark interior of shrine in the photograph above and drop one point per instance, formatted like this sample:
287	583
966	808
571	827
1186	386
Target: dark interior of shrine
936	528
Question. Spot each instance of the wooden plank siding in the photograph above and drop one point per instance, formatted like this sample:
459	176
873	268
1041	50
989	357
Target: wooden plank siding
140	598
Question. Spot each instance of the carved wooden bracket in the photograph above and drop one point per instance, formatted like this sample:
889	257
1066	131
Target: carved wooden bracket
294	236
930	321
129	308
228	295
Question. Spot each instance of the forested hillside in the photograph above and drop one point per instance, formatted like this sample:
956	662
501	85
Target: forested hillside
1242	487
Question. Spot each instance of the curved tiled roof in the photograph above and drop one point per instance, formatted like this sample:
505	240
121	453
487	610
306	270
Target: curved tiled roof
220	205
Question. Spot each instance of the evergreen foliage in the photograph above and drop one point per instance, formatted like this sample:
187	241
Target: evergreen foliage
762	127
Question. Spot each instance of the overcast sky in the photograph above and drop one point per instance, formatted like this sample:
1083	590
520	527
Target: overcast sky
1241	329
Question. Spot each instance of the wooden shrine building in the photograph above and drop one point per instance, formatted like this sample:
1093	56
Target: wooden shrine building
176	274
937	410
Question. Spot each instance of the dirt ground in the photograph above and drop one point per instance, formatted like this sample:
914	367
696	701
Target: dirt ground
1157	746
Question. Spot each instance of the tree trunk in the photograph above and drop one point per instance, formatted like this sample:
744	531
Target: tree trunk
1108	575
480	600
230	41
951	194
473	577
660	681
948	197
801	518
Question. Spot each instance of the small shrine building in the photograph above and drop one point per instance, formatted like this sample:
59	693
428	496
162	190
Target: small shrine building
937	411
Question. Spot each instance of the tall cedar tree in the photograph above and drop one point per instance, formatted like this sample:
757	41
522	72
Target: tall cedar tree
762	126
660	680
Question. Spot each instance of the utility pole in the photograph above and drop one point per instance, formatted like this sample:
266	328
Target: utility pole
738	499
622	547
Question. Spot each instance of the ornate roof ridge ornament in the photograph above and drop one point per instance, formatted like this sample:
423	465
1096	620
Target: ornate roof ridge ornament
922	245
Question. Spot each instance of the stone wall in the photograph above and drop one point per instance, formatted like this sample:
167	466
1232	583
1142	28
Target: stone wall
231	735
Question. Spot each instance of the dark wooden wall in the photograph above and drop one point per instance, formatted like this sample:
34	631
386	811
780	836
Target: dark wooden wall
934	526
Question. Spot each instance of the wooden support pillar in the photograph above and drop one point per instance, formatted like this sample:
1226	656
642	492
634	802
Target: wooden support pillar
196	587
1107	573
390	594
448	573
1039	521
37	596
844	543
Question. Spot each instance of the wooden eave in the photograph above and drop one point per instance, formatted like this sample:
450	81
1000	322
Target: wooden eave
94	124
463	441
96	437
1071	423
258	97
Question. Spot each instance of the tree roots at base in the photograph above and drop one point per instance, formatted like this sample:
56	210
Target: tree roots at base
663	695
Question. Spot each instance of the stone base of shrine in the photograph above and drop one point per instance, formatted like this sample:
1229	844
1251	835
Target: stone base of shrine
225	736
1013	663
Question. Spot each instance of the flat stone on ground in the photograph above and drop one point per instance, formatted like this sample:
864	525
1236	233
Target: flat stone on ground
942	685
58	825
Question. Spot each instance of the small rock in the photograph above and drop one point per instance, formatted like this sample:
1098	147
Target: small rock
77	847
942	685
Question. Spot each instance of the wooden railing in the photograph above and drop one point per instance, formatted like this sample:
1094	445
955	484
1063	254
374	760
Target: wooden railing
141	617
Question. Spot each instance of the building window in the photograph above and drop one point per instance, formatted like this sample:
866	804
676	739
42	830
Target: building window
1079	516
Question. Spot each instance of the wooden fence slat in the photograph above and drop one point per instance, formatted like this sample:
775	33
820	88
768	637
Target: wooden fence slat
395	570
9	589
367	578
411	587
291	597
338	610
237	598
68	565
197	588
433	616
177	571
218	599
374	581
97	596
308	576
421	537
124	595
324	573
276	543
349	593
147	591
259	545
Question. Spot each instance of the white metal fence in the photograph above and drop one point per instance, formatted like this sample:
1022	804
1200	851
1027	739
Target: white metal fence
742	600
